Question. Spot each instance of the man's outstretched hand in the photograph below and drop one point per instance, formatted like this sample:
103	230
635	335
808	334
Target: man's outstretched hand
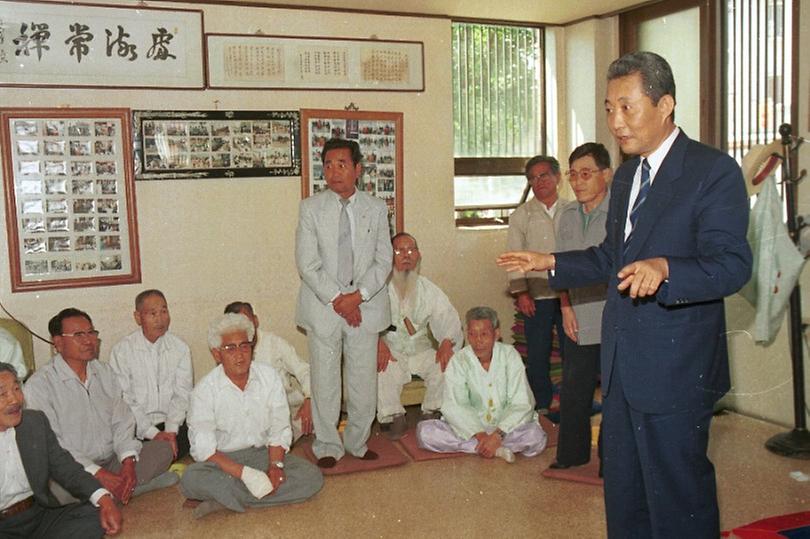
526	261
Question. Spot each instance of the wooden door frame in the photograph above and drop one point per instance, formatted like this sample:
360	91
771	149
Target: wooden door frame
710	35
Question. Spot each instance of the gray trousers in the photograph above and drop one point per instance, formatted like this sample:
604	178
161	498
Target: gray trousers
154	459
206	481
358	348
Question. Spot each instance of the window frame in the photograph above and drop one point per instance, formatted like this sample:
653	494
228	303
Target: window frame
490	166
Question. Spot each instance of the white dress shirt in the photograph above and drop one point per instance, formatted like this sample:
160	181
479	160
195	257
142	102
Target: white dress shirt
14	485
225	418
156	379
91	420
11	353
655	160
294	371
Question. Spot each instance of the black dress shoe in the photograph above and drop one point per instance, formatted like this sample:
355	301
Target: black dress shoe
369	455
327	462
558	466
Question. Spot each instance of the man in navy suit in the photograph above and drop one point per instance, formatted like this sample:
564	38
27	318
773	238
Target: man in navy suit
675	247
31	456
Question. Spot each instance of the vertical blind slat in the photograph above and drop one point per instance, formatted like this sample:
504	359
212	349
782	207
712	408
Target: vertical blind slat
496	90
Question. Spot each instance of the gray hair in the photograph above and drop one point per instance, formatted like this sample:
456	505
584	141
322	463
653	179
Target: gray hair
483	313
656	75
553	164
8	367
228	323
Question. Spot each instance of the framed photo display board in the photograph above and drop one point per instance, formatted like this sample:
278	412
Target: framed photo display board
379	135
70	198
216	144
93	45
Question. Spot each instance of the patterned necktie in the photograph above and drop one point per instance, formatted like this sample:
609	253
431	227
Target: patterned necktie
643	191
345	253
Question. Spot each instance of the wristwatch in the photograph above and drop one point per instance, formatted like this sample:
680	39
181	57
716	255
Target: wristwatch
278	464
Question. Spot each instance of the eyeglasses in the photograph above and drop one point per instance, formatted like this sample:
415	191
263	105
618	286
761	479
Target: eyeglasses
93	334
584	174
408	252
538	177
242	347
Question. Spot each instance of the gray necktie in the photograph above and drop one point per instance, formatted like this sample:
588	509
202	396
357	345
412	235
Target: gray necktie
345	254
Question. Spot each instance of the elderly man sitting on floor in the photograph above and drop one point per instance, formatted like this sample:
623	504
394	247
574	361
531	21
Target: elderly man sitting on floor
419	308
488	407
87	411
239	428
31	457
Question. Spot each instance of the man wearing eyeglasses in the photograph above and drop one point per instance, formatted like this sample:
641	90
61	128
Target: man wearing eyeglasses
239	427
532	226
582	225
416	306
85	405
294	371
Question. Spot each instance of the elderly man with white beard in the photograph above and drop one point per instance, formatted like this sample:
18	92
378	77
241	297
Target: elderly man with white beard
417	305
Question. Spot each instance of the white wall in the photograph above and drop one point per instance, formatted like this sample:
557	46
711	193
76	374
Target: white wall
206	243
590	46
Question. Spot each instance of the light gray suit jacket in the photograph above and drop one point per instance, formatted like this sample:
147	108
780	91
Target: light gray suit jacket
316	255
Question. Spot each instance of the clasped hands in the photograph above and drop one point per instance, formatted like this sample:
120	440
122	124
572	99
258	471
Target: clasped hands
639	279
488	443
348	307
121	484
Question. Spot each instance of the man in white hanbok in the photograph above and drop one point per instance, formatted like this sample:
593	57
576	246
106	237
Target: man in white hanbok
419	309
488	407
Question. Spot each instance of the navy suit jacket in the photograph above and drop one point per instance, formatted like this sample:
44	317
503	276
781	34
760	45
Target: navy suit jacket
670	349
43	459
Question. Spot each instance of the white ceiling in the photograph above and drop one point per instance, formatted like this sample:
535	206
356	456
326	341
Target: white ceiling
532	11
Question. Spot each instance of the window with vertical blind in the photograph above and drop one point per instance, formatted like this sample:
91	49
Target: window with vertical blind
759	64
744	102
498	117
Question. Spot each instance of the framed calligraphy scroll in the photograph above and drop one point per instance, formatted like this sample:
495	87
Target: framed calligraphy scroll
379	135
70	198
314	63
90	45
216	144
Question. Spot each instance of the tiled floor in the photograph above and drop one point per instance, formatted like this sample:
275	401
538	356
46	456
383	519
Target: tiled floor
470	497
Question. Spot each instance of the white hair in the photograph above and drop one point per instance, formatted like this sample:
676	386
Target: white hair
228	323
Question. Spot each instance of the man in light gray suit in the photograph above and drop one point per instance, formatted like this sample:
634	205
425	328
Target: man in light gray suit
343	254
